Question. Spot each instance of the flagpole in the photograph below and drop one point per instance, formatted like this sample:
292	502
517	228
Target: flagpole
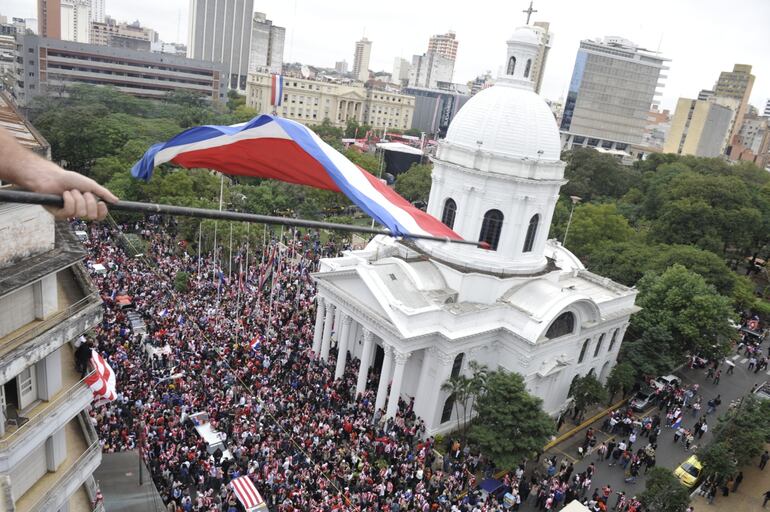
272	293
200	237
230	260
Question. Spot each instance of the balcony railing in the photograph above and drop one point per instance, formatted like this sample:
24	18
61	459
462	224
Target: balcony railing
47	324
7	441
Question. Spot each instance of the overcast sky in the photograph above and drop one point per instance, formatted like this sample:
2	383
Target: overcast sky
701	37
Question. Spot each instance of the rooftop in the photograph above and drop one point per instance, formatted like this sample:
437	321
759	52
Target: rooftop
13	121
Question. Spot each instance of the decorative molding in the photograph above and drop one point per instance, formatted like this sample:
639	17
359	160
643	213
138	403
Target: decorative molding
347	319
401	357
444	357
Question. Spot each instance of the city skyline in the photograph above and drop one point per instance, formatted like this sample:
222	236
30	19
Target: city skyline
321	34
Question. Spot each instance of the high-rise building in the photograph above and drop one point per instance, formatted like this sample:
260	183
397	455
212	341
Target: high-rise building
361	59
698	128
538	67
766	112
49	447
220	31
401	69
341	66
76	20
613	86
97	11
444	44
51	65
122	35
736	85
49	18
706	94
431	70
267	40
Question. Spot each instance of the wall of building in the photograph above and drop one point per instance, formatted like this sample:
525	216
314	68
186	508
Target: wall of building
25	230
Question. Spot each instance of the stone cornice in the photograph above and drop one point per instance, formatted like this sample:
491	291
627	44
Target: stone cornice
507	177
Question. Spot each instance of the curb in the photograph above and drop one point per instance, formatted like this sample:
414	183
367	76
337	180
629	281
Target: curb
583	425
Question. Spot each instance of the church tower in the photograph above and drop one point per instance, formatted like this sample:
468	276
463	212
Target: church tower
497	174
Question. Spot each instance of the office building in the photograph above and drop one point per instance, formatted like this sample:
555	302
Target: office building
311	101
752	143
434	109
122	35
97	11
698	128
706	94
444	44
267	41
341	67
544	46
736	85
401	69
50	65
220	31
613	85
361	59
766	111
657	128
431	71
49	18
49	448
172	48
76	20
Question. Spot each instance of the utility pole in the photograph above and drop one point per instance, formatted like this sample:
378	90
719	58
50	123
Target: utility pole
575	200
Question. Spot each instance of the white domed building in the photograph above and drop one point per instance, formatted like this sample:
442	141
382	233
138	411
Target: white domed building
419	312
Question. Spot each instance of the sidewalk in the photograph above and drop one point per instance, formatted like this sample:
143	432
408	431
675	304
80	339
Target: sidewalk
749	496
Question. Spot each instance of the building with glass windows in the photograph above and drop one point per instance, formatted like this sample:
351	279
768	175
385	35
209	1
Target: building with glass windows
613	86
415	313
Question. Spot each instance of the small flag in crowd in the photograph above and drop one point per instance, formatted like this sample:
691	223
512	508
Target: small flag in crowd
247	494
102	380
677	422
276	89
255	344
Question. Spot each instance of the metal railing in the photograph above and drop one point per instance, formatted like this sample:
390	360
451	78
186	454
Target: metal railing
6	345
66	396
42	504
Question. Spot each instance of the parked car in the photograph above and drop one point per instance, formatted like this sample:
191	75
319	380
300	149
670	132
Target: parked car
643	399
666	380
763	391
689	471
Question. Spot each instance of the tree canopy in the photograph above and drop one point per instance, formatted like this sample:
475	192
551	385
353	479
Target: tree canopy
414	184
664	493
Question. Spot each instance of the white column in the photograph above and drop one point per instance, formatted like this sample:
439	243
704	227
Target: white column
337	324
398	379
342	346
325	339
423	382
363	368
319	324
382	389
429	400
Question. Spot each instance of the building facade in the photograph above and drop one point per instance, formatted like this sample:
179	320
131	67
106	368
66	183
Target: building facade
434	109
49	18
361	57
49	448
444	44
613	86
545	37
51	65
431	71
698	128
414	314
122	35
76	20
97	11
311	101
220	31
736	85
267	40
766	111
341	67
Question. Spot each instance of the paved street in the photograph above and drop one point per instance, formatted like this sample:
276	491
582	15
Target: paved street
669	455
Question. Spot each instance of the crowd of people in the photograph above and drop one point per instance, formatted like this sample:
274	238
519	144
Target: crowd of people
305	439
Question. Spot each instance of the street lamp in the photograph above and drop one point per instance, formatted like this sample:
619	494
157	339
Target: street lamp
575	200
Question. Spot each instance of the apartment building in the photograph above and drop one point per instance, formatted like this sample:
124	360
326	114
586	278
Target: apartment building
49	448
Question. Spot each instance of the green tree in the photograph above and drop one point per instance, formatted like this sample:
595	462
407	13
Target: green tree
745	429
622	379
414	184
465	391
596	223
510	423
366	161
329	133
664	493
182	281
718	460
593	175
689	310
651	353
586	391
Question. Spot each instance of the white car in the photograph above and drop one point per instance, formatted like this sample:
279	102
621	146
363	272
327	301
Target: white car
666	380
763	391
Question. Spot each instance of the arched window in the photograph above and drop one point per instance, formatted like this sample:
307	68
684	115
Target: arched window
491	227
612	340
529	240
599	345
511	65
583	350
457	365
448	215
563	325
527	67
446	413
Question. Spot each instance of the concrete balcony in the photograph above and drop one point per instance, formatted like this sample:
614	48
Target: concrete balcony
46	416
55	489
79	310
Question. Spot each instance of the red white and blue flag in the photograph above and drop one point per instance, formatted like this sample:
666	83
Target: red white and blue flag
101	380
276	89
274	147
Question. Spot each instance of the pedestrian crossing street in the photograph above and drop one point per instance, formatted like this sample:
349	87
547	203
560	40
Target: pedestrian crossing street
743	361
